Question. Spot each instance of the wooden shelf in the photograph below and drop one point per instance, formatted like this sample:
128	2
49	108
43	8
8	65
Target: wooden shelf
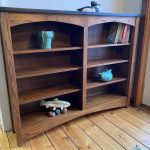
43	70
30	51
39	94
93	84
108	45
96	63
38	122
97	101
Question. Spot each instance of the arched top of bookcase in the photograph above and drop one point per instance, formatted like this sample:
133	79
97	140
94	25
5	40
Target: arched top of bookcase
101	20
16	19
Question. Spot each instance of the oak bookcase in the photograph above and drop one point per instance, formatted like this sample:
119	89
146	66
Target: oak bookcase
68	70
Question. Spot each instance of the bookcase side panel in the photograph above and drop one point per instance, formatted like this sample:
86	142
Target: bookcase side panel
132	60
11	75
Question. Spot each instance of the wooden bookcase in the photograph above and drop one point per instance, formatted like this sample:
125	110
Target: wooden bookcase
68	70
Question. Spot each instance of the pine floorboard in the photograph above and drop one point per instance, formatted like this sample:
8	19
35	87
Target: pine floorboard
120	129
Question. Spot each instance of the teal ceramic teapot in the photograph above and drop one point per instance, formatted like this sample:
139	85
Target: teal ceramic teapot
45	39
106	75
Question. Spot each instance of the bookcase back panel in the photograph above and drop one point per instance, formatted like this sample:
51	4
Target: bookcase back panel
43	81
98	33
37	60
108	53
25	36
118	88
98	91
48	59
49	81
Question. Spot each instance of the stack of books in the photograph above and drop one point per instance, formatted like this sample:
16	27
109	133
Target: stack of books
119	33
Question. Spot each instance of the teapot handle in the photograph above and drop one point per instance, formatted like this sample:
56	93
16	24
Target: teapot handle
43	36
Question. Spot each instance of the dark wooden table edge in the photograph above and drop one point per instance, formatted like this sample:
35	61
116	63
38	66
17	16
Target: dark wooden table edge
26	10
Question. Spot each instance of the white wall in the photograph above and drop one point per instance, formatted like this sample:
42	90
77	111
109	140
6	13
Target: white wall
4	102
146	96
128	6
107	5
132	6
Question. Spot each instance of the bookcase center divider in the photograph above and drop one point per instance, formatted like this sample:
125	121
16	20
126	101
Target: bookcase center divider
70	69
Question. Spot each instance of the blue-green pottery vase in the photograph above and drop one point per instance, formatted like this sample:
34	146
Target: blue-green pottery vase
106	75
45	39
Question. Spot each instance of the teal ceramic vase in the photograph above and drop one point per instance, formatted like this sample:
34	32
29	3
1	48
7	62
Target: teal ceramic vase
106	75
45	39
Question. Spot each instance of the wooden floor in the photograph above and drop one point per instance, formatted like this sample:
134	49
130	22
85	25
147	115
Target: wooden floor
116	130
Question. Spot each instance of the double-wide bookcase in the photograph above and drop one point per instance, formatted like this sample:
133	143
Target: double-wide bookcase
69	70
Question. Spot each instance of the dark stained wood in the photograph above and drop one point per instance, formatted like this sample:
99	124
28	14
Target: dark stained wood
96	63
99	20
46	81
22	18
46	50
39	94
105	98
50	60
11	76
68	70
102	129
66	12
143	45
108	45
93	84
37	71
132	59
84	77
35	123
24	37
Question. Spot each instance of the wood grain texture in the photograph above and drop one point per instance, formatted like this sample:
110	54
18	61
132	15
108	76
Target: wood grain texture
84	77
78	53
141	114
120	136
11	75
98	20
104	100
32	51
104	62
37	71
130	129
79	137
41	142
57	139
60	140
38	122
108	45
132	60
22	18
145	108
93	84
101	138
135	121
13	142
4	143
36	95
